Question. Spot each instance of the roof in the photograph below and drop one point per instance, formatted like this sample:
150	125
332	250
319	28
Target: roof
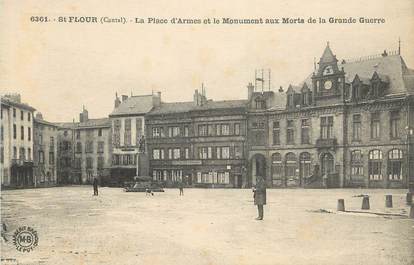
134	105
9	102
45	122
181	107
391	67
327	55
91	123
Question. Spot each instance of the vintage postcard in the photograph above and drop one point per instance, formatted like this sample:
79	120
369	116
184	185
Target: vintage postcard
207	132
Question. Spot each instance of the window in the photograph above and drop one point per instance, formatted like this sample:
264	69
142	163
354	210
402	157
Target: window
89	147
127	132
202	130
210	129
186	131
173	131
51	158
100	162
1	133
375	125
52	142
2	154
327	127
22	153
14	152
99	132
14	131
29	154
21	132
305	131
89	162
223	152
276	133
138	127
28	116
356	127
101	145
305	165
156	132
291	165
187	153
395	160
394	124
176	153
78	147
14	113
117	133
205	152
374	165
290	99
290	133
260	103
225	129
41	157
78	163
238	152
77	134
237	129
21	115
357	166
29	134
156	154
277	168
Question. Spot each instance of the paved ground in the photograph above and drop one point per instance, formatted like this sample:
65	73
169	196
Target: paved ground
206	227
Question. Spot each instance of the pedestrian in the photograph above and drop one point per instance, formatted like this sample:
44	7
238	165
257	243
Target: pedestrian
95	187
181	187
260	196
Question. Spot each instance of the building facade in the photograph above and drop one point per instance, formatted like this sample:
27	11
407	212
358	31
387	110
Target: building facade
45	152
349	124
16	145
129	156
201	143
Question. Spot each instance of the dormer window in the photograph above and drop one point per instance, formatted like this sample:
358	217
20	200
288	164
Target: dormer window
260	103
328	70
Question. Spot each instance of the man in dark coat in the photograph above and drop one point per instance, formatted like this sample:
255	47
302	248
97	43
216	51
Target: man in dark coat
260	196
181	186
95	187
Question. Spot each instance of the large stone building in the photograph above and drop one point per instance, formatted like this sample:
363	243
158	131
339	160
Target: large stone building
128	134
201	143
349	124
16	142
84	150
44	152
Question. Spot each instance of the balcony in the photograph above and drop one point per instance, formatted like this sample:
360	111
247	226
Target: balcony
21	162
326	143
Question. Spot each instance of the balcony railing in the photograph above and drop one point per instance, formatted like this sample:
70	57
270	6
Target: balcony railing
21	162
326	143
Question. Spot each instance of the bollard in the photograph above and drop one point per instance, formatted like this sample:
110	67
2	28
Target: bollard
341	205
388	201
412	211
365	203
409	198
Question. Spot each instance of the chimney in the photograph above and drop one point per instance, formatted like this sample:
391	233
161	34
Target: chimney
83	116
196	97
39	116
250	90
156	99
124	97
117	101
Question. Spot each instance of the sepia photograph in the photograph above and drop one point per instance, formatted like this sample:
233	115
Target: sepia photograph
207	133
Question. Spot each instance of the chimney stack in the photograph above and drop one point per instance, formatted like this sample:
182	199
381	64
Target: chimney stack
250	90
156	99
83	116
124	97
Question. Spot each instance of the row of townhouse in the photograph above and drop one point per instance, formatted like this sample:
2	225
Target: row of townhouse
348	124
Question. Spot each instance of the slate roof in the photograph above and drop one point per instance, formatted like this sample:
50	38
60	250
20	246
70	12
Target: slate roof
391	67
7	101
180	107
91	123
134	105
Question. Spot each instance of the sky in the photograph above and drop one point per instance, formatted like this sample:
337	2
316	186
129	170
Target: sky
58	67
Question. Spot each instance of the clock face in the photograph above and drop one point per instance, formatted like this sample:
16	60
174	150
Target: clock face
327	85
328	70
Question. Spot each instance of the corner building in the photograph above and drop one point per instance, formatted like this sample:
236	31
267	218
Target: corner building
349	124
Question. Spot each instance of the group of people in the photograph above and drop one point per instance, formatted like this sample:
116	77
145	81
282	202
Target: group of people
259	194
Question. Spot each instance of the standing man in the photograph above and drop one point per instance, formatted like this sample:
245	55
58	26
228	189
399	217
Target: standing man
181	186
95	187
260	196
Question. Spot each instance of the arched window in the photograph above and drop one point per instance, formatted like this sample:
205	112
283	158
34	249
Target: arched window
357	166
395	159
277	168
305	165
374	165
78	147
291	165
